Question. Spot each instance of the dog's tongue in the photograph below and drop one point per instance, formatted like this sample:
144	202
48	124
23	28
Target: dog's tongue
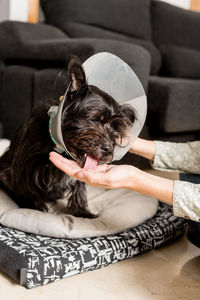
90	163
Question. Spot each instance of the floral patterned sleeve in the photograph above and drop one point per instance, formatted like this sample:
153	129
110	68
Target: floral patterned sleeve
184	157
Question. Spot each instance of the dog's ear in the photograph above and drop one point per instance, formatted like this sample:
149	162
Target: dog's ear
129	114
76	73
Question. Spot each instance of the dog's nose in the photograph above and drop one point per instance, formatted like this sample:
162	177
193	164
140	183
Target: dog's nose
107	148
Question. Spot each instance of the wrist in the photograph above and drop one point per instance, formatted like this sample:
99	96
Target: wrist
136	146
145	148
151	185
134	178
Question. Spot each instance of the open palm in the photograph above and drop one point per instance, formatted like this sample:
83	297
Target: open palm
105	176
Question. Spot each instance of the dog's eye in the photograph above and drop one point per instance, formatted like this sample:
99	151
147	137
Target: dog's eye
96	119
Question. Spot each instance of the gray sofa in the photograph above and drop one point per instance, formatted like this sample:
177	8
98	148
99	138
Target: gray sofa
171	36
31	57
33	62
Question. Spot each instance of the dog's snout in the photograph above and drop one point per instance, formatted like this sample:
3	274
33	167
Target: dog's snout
107	148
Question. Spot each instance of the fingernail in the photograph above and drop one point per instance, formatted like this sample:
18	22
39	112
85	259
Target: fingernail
53	154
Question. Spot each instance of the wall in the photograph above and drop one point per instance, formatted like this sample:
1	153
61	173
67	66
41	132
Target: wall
4	10
181	3
18	10
14	10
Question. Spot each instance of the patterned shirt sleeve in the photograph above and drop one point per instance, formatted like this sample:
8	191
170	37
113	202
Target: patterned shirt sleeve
186	200
184	157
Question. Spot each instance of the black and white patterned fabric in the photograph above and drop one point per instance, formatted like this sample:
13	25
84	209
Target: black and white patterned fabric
34	260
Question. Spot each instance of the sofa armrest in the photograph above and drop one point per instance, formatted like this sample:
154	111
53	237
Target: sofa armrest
25	41
20	32
174	25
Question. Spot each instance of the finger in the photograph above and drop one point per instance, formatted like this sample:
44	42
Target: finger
67	166
56	156
95	179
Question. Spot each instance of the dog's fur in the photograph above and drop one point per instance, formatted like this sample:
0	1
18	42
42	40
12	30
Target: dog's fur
92	122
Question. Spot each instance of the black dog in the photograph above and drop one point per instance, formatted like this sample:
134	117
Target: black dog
93	123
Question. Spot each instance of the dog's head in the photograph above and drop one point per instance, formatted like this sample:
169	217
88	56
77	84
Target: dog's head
93	123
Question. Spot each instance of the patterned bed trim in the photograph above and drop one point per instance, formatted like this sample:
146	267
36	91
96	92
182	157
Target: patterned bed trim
50	259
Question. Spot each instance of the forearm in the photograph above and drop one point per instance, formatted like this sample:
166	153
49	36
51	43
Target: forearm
143	148
152	185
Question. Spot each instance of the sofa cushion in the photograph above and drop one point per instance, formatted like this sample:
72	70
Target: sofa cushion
85	30
48	83
133	208
173	105
125	16
180	62
174	25
117	19
16	99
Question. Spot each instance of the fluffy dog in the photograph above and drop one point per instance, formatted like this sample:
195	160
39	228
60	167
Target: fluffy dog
93	123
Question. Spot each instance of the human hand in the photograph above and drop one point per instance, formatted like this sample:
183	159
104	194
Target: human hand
112	176
104	176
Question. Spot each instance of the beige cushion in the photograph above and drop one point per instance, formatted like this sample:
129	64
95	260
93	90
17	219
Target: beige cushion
117	210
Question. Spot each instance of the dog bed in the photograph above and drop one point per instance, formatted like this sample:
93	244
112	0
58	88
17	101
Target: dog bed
34	260
37	259
116	210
